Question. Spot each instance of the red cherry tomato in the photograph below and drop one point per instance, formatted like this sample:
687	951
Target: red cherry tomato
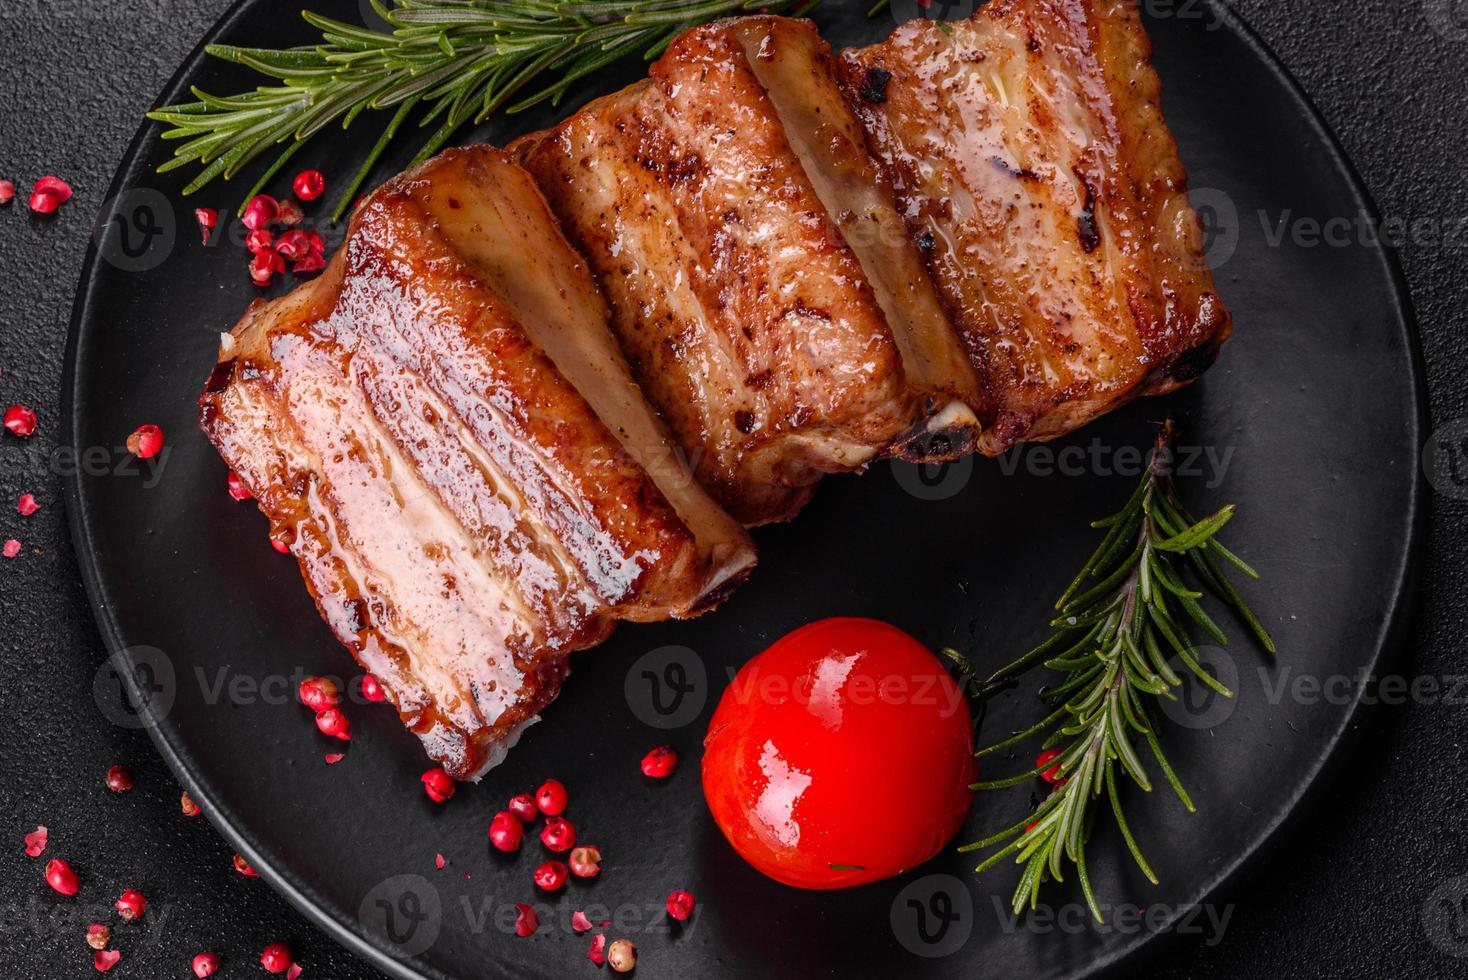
839	756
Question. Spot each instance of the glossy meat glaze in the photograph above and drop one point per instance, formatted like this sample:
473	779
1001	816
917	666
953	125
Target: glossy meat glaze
481	446
1031	159
463	514
755	263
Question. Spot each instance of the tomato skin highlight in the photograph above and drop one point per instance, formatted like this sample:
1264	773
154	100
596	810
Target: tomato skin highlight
841	755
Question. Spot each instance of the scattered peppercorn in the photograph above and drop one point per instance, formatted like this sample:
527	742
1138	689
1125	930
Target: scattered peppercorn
276	958
551	798
131	905
61	878
1049	755
309	185
551	876
237	488
526	920
208	219
260	212
145	442
372	689
319	693
506	832
523	806
332	722
48	194
439	785
586	861
119	780
20	420
660	762
680	905
622	956
558	834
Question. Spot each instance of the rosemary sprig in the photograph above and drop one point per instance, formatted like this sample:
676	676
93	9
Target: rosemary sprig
448	61
1121	618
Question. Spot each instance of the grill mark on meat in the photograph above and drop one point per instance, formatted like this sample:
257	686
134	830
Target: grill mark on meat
1191	364
730	254
1029	138
798	75
220	376
800	310
356	615
664	319
874	84
1086	227
1013	171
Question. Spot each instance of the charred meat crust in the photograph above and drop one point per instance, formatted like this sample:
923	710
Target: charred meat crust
1027	144
979	236
462	515
759	276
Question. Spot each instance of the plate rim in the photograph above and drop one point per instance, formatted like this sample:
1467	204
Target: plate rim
1388	645
284	882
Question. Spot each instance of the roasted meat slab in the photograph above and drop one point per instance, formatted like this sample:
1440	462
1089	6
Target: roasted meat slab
762	283
449	441
1030	157
485	447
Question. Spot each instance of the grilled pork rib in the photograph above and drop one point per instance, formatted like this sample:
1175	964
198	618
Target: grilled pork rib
1029	154
760	279
456	455
980	234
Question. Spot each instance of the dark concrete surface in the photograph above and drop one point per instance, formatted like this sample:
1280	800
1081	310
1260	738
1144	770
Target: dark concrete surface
1357	887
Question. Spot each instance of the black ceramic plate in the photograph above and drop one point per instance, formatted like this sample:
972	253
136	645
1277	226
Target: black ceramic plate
1311	422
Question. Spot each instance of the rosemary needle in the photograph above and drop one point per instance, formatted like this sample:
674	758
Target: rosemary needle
450	61
1122	617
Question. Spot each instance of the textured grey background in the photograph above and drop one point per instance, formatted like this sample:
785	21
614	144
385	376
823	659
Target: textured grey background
1354	890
